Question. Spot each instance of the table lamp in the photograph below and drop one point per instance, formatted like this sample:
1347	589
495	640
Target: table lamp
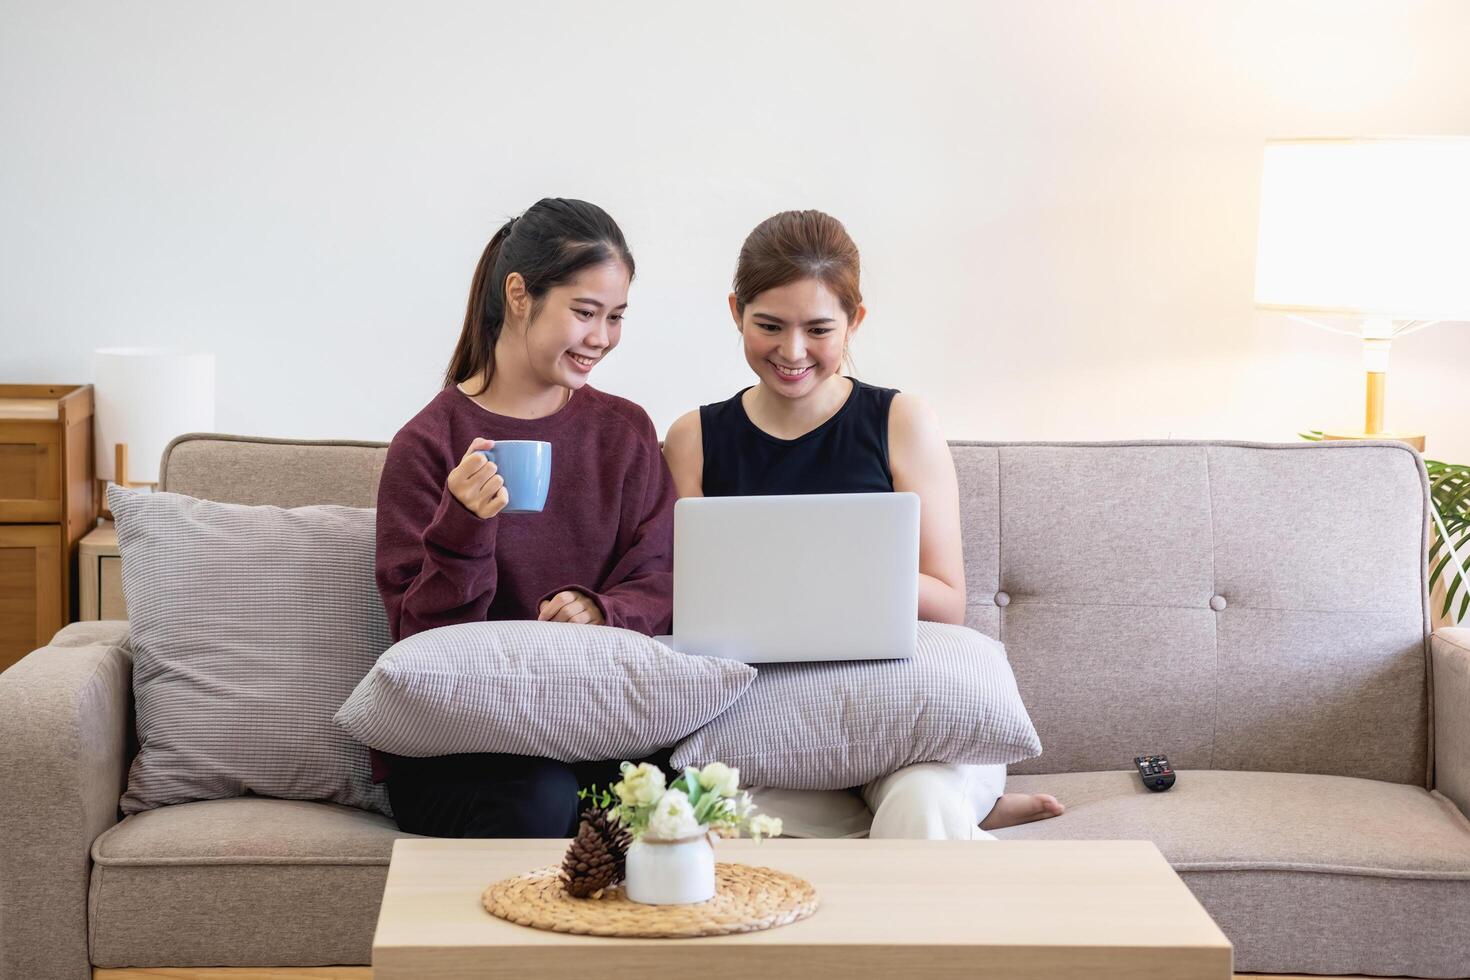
1374	229
144	397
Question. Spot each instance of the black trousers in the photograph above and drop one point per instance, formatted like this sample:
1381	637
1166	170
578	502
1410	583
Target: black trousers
485	794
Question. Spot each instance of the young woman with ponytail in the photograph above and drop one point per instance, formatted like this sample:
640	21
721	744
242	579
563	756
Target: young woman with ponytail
546	306
804	427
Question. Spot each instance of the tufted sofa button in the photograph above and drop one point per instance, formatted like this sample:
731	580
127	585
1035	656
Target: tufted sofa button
1217	602
1002	599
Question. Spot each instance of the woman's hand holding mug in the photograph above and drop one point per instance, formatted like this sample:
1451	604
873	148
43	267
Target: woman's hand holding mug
476	482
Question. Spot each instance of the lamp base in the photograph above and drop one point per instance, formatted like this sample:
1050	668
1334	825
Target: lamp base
1417	441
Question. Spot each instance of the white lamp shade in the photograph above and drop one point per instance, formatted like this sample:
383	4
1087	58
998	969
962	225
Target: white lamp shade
1372	227
144	397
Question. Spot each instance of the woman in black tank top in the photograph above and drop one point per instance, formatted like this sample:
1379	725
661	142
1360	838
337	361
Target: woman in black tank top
848	453
807	428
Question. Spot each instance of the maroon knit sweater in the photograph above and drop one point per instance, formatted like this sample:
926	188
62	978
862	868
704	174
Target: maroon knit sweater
607	530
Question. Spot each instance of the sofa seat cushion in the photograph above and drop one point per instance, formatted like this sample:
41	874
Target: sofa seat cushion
239	882
1304	873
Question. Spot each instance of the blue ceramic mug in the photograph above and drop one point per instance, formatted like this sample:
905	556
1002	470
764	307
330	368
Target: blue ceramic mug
525	465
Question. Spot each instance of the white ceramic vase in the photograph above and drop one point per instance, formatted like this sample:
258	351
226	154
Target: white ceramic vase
677	872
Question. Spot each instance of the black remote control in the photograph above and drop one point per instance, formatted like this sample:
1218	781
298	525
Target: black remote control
1155	771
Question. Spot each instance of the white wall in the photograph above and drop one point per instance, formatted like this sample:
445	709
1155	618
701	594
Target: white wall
1056	202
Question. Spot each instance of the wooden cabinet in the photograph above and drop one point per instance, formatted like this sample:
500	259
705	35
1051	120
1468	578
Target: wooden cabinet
31	603
47	504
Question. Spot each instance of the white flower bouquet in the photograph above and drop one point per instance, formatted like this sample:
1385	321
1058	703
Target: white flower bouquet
698	800
656	836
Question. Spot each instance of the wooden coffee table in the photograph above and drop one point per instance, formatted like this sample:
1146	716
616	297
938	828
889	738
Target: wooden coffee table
890	909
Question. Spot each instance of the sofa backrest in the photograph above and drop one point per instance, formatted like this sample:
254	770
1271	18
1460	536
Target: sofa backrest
1234	605
283	472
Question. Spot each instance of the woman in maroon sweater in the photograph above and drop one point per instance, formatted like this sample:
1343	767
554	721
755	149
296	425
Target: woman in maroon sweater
546	305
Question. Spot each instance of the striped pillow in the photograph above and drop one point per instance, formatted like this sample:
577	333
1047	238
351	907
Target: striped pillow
555	690
249	625
837	724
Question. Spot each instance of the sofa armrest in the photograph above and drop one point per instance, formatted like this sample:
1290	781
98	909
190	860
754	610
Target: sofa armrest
63	744
1450	651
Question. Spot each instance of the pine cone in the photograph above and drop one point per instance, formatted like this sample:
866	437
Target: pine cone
598	855
612	830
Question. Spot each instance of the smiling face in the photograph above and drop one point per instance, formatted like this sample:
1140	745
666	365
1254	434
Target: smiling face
577	324
795	336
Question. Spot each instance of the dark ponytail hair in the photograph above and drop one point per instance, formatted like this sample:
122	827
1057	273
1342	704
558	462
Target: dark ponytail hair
554	240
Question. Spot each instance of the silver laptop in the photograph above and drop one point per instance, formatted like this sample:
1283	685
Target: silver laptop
787	578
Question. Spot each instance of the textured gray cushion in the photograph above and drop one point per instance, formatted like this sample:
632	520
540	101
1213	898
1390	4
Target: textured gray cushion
557	690
1303	873
835	724
249	625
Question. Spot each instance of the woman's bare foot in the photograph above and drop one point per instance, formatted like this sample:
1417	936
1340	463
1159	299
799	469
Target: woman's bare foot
1017	808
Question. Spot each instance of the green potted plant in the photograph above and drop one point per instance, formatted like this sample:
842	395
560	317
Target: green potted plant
1449	548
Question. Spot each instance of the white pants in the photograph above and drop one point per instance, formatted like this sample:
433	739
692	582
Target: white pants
934	801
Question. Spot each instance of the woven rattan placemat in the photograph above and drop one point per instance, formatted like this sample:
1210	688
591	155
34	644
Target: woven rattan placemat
747	899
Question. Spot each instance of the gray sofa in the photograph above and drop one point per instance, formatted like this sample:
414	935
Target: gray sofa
1257	612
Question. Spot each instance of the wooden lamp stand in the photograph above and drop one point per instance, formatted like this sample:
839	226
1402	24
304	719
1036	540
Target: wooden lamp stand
1373	418
1378	334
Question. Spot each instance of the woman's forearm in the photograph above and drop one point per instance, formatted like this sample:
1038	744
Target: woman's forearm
940	602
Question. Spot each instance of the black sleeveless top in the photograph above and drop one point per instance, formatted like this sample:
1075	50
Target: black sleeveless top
848	453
